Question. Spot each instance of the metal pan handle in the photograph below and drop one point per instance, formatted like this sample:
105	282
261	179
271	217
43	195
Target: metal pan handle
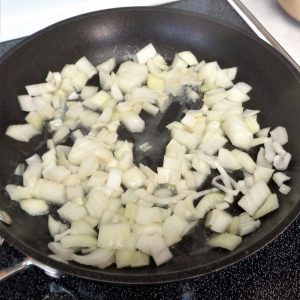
10	271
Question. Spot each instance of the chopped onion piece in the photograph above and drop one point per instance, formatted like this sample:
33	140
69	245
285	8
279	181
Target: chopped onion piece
284	189
19	170
85	66
188	57
64	254
270	205
116	92
94	258
279	178
212	144
279	149
155	246
132	122
233	227
148	215
251	113
71	241
131	75
72	211
228	160
218	220
262	174
108	65
263	132
243	87
105	80
207	203
58	174
34	119
18	193
22	132
255	198
56	227
88	92
26	103
146	54
282	163
261	159
113	236
238	132
247	224
50	191
35	207
269	151
225	240
245	160
133	178
39	89
279	135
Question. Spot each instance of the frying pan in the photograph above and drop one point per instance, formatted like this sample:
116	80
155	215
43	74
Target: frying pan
120	32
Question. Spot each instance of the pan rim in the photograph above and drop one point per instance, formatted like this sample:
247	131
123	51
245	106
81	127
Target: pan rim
164	277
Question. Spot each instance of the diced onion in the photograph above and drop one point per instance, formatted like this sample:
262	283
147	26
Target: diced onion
114	210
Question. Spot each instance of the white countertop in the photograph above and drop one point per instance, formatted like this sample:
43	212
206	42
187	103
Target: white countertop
23	17
284	29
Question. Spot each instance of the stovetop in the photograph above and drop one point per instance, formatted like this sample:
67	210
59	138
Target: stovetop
271	273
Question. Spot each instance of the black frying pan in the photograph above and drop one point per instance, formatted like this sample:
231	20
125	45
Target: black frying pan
119	32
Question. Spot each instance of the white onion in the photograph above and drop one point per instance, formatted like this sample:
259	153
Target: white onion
113	236
269	151
233	227
140	212
108	65
50	191
94	258
130	75
262	174
284	189
88	92
132	122
85	66
279	178
228	160
133	178
22	133
255	198
225	240
279	134
35	207
247	224
281	163
245	160
270	205
238	133
72	211
105	80
261	159
56	227
188	57
65	254
279	149
263	132
25	102
218	220
146	54
71	241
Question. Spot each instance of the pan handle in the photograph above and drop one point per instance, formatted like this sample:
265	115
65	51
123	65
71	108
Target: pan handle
10	271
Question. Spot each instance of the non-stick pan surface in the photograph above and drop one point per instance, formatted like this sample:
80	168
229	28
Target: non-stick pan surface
119	32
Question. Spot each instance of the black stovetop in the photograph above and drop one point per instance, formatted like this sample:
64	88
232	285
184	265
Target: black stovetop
271	273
